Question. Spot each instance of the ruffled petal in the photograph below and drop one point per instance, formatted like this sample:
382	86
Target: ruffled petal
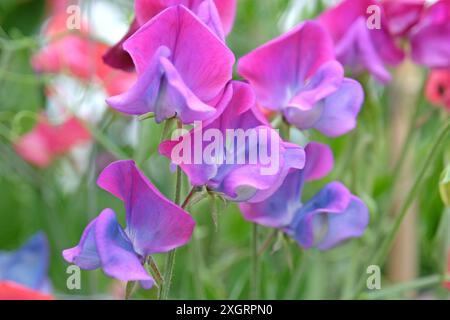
331	216
279	69
154	224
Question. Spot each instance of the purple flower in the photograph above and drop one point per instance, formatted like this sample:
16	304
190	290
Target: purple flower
218	15
430	39
28	266
402	15
238	154
330	217
298	75
182	68
357	46
154	225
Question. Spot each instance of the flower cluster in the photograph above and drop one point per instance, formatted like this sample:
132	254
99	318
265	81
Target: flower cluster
184	72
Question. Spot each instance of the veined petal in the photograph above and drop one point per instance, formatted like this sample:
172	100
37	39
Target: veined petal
278	69
154	224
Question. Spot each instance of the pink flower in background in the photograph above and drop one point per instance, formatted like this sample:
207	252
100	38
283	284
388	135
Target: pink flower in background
238	181
217	14
297	75
153	225
47	141
76	54
359	47
430	39
182	68
438	88
402	15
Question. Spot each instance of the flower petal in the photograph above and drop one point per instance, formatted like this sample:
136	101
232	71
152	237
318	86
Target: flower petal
154	224
279	68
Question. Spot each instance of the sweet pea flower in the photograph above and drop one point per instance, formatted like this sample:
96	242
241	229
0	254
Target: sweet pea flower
402	15
216	14
226	167
430	39
297	75
438	88
330	217
182	68
23	273
153	225
42	145
357	46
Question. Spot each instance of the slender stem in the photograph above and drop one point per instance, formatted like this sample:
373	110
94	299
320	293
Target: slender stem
170	260
406	144
105	142
254	277
382	253
189	197
267	242
420	283
152	264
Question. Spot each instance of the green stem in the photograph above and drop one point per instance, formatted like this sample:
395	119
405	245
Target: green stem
420	283
382	253
105	142
254	277
170	260
407	143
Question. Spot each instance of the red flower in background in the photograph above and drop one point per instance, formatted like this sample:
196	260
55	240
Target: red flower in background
447	283
46	141
438	87
74	52
13	291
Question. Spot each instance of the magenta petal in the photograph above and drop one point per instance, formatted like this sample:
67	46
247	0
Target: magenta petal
430	40
154	224
207	12
319	161
278	69
227	13
186	81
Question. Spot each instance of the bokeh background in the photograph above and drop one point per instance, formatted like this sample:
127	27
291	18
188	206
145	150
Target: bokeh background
61	198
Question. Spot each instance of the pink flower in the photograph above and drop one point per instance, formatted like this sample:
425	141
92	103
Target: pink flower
430	39
438	88
230	170
297	75
357	46
182	68
153	225
46	141
76	54
217	14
